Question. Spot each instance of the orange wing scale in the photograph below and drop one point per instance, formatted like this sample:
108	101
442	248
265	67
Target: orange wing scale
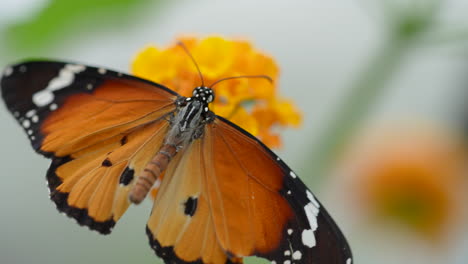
243	185
111	109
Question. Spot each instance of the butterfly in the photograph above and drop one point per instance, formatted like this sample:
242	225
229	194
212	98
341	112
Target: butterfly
220	193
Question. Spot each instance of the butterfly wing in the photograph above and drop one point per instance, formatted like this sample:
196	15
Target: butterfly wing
232	197
99	127
181	228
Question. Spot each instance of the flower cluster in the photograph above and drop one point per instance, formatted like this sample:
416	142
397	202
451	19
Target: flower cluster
251	103
412	175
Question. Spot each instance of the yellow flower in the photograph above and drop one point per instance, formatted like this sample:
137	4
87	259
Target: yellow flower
413	176
251	103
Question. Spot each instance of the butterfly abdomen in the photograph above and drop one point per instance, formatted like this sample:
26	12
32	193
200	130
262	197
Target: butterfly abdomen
185	126
151	172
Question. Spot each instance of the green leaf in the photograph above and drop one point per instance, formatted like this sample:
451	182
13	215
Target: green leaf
61	19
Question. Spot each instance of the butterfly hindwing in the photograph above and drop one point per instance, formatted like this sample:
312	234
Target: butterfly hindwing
180	227
93	185
231	198
99	127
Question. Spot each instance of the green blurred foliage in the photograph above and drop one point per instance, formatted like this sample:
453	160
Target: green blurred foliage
60	19
406	27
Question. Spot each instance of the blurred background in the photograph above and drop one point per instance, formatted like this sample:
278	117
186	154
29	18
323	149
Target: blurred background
382	86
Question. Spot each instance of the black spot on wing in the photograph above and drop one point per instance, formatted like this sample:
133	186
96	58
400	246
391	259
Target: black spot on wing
127	176
107	163
123	140
190	206
60	199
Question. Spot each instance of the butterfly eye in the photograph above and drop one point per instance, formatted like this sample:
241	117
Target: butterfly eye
210	98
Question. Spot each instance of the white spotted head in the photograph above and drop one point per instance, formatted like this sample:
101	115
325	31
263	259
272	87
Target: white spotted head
203	94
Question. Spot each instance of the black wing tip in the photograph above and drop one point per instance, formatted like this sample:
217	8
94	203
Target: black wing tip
10	68
33	61
60	199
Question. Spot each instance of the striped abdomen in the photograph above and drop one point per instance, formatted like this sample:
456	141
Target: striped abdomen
150	174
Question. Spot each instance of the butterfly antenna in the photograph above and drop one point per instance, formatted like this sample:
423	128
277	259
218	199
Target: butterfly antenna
180	43
268	78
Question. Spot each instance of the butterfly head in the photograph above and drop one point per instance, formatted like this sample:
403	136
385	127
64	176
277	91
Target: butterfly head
203	94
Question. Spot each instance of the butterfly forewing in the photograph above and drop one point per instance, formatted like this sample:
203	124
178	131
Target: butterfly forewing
100	128
96	100
276	201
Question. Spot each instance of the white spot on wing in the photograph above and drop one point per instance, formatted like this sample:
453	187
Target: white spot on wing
348	261
287	253
35	119
287	262
312	199
42	98
53	107
308	238
102	71
290	231
292	174
64	79
30	113
311	213
297	255
8	71
26	123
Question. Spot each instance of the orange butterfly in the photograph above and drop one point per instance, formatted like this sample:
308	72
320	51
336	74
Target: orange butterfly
111	137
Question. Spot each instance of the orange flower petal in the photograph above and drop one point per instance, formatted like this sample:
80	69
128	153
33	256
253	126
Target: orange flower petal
251	103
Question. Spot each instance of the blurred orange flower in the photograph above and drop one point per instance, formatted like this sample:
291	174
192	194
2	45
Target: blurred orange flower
411	175
253	104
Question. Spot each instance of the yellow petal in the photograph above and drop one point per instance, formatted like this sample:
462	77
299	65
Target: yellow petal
252	103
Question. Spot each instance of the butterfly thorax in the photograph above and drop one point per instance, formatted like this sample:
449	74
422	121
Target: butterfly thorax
192	114
187	123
